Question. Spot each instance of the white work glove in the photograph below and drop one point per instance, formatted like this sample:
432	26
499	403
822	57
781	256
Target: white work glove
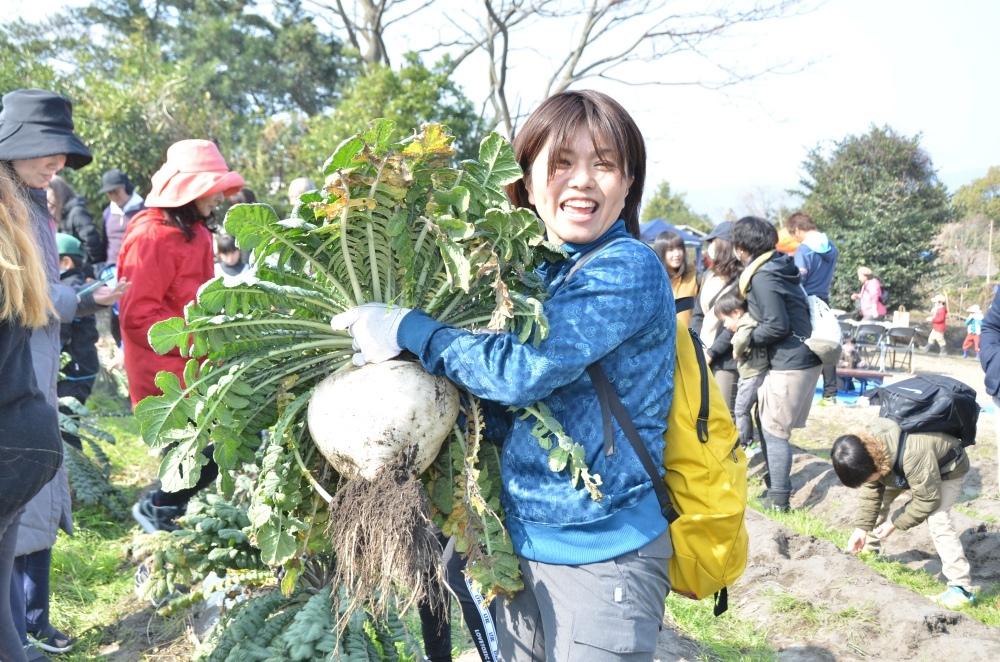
373	327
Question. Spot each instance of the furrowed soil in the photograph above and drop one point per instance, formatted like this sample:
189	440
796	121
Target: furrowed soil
801	597
816	602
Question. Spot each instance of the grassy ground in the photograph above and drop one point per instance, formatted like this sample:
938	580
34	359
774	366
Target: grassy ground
986	609
92	576
726	638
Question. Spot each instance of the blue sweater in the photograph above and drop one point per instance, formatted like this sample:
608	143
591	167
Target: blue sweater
618	309
816	258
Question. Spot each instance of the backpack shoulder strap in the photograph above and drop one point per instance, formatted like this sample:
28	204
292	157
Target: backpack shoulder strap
897	466
611	405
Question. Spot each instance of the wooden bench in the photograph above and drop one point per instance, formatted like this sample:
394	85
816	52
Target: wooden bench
863	376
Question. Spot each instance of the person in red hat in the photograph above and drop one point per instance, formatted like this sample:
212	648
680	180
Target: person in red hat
167	255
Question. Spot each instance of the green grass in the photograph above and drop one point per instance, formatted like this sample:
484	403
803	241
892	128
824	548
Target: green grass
725	637
803	522
803	616
92	577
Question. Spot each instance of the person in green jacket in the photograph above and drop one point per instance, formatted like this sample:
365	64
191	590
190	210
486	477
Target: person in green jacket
934	464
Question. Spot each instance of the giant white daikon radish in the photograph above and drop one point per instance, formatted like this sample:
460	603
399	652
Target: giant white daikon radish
365	418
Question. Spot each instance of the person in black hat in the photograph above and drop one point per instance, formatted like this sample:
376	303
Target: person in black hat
123	204
36	142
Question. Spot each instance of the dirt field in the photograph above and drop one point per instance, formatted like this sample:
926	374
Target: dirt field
816	602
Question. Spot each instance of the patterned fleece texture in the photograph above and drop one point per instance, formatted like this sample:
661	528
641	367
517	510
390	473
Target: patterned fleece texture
617	309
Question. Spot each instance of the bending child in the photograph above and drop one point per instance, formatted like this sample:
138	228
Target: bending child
933	466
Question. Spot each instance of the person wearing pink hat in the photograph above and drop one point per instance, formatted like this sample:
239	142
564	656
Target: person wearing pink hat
167	255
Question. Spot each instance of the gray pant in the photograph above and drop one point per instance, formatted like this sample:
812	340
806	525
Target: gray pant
746	397
598	612
726	379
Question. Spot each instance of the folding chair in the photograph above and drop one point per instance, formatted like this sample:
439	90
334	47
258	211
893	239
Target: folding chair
871	344
846	330
901	339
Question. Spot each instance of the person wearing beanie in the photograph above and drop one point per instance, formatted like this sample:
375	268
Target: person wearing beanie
167	253
36	142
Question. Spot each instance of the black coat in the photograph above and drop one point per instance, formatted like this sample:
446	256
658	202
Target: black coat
79	337
776	300
77	221
989	347
29	429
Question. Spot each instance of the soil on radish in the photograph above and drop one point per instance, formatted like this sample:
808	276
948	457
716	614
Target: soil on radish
384	541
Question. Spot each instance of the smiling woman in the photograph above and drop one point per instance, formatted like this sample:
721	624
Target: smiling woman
594	568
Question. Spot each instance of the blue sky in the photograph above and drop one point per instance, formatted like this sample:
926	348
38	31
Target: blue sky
920	66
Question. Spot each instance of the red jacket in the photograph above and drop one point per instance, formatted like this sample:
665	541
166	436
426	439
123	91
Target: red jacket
940	320
165	270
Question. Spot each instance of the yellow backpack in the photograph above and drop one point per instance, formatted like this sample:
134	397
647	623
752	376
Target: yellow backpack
706	474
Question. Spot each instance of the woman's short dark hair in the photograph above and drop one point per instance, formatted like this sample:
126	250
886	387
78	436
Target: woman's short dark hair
184	218
754	235
725	264
557	120
729	302
668	241
851	461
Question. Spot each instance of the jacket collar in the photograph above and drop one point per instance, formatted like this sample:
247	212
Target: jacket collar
616	230
751	269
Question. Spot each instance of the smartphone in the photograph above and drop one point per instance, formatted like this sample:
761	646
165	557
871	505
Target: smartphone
105	279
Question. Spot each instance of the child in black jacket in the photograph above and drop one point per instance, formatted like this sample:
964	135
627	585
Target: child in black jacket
79	337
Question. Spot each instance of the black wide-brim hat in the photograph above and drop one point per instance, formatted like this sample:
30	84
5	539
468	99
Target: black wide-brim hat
37	123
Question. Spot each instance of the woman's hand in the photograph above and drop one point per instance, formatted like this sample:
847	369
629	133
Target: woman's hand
373	327
107	296
857	541
855	296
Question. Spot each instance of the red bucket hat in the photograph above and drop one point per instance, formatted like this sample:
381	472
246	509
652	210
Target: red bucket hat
194	168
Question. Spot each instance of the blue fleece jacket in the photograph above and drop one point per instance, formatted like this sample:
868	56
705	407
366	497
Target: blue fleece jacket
816	258
617	309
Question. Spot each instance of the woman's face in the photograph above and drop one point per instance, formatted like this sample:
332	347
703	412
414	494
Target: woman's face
861	277
586	194
674	258
37	173
207	204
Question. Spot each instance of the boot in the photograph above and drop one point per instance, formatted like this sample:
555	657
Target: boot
776	500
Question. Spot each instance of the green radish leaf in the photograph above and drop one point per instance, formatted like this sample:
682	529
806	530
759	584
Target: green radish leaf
163	412
169	334
558	457
344	156
276	540
379	135
181	466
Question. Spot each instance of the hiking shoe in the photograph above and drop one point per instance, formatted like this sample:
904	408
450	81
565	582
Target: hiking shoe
52	641
155	518
955	597
34	654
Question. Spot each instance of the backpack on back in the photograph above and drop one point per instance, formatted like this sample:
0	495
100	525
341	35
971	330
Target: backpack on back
704	492
931	403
